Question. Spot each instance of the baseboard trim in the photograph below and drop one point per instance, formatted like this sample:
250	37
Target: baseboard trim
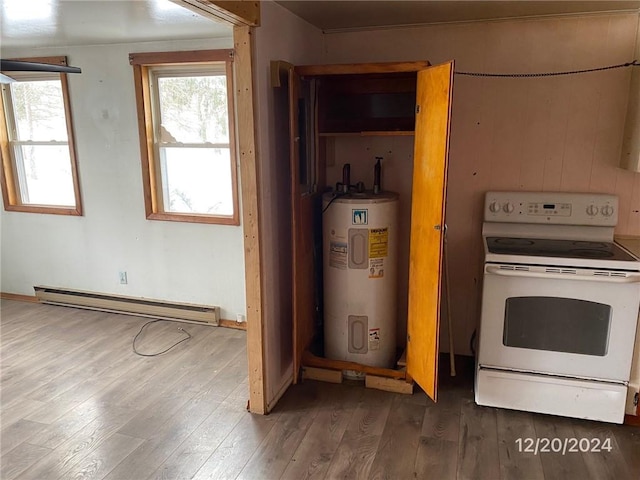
233	324
33	299
150	307
18	297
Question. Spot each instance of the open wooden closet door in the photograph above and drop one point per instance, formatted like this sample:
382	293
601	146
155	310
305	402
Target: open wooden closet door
302	218
431	152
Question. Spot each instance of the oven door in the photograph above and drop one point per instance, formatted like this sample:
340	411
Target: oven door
566	322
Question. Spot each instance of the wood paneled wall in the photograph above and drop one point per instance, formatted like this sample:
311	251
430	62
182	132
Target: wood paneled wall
282	36
531	134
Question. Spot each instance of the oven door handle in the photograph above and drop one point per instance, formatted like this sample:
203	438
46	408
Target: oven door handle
630	278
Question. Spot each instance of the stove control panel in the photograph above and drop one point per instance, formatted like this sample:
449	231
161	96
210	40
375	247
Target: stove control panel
551	208
562	209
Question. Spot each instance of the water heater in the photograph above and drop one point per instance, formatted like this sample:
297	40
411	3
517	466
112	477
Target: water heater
360	277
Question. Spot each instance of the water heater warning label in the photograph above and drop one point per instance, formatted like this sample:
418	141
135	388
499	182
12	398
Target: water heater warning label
338	255
376	267
374	339
378	242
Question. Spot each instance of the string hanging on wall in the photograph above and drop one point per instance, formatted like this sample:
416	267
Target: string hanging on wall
635	63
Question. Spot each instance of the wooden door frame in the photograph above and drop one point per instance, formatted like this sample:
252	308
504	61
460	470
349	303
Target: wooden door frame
244	16
294	161
249	177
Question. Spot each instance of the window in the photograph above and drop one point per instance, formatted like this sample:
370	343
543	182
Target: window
39	171
185	116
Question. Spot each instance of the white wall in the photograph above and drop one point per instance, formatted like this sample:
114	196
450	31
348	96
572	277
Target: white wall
281	36
184	262
540	134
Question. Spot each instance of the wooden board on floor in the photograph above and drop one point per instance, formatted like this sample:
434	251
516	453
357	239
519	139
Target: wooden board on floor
389	384
311	360
322	374
395	385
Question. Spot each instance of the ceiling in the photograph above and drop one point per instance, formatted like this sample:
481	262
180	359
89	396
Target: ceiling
339	15
25	23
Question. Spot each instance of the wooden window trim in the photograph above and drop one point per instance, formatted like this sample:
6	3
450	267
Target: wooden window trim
180	58
142	62
55	60
8	180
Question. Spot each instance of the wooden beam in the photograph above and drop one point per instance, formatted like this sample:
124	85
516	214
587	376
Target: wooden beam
310	360
360	68
179	58
53	60
238	13
322	374
394	385
248	158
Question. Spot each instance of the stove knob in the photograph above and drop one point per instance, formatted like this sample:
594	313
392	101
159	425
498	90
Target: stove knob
592	210
607	210
508	207
494	207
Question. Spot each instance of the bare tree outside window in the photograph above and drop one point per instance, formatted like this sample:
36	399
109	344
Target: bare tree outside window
189	164
194	144
40	144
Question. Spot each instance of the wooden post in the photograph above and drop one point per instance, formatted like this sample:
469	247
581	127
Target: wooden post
250	216
239	13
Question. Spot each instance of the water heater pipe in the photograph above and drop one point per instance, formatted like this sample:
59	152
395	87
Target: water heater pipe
376	176
346	177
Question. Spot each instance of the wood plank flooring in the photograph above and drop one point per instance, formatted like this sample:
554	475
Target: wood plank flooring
77	403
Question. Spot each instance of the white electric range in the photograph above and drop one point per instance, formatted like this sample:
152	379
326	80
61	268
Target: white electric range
559	306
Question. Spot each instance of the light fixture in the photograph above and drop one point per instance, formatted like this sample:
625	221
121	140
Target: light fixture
22	66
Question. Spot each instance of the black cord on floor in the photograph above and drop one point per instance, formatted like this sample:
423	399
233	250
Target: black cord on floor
135	350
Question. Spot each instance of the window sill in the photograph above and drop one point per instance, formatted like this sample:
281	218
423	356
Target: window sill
71	211
232	220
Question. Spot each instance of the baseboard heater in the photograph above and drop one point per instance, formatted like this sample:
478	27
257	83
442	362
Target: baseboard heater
129	305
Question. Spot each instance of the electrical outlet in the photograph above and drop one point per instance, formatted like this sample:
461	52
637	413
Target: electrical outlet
123	278
240	318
